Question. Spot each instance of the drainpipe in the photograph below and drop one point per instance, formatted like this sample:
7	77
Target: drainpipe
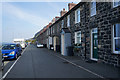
85	31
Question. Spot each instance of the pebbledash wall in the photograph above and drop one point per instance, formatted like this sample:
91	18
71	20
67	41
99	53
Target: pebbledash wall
106	16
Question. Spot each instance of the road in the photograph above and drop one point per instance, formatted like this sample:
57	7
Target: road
43	63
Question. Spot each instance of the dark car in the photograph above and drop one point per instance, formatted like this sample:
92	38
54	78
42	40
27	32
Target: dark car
11	51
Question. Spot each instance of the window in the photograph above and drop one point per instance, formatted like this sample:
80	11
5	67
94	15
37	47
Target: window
78	37
53	29
116	38
77	15
49	30
93	8
68	20
116	3
62	23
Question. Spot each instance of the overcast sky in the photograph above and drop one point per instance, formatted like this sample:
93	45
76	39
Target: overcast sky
24	19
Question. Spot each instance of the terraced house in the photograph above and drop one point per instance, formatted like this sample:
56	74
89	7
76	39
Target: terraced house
52	35
93	29
42	36
55	34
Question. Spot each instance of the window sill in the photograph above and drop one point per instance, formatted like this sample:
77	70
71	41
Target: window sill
77	46
77	22
116	53
116	6
92	15
68	26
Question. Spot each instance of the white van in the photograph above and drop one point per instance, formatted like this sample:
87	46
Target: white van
21	42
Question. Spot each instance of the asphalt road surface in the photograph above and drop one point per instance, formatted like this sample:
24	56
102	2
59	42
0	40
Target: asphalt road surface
41	63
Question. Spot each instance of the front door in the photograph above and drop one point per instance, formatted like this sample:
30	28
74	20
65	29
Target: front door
54	43
94	46
62	46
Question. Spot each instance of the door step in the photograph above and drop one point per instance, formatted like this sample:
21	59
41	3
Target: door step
90	61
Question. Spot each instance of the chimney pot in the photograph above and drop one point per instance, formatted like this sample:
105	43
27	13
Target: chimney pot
63	12
71	5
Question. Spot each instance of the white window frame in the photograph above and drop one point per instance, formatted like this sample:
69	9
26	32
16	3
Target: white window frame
62	23
47	32
68	21
118	1
53	29
76	36
77	15
114	38
92	8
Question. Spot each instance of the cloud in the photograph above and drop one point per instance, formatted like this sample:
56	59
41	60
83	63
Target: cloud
31	18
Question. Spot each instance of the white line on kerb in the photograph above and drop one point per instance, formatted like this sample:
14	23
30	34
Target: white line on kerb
81	67
12	65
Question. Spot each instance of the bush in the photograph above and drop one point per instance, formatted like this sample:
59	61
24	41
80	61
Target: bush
77	47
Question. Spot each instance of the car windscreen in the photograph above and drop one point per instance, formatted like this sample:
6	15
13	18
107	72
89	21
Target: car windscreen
8	47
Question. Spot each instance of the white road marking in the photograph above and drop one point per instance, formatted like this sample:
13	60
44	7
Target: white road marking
12	65
5	63
81	67
60	58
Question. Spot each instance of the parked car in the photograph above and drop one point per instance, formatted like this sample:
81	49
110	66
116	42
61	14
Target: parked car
11	51
26	44
21	42
23	45
2	65
39	45
2	61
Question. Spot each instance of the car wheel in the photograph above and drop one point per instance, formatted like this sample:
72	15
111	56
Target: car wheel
2	65
20	54
16	56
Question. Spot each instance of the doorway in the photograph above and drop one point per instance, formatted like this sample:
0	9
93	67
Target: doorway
94	44
62	43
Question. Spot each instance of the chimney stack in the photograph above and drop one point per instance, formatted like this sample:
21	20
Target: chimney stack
63	12
55	19
71	5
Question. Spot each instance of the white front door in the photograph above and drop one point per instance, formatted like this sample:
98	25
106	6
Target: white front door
62	46
55	43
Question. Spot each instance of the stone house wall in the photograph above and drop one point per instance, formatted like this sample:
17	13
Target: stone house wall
104	19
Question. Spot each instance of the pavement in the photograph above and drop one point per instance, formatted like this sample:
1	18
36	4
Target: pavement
105	70
44	63
0	73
